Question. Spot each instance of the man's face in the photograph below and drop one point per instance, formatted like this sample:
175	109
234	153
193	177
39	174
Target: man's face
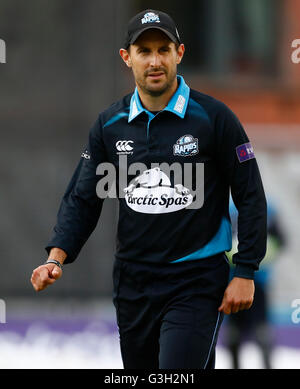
153	59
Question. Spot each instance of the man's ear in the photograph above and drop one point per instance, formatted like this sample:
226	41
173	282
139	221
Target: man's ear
180	53
126	57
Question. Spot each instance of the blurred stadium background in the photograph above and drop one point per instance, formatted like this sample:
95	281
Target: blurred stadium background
62	69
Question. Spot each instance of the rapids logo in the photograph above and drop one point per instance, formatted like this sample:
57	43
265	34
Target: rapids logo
186	146
150	17
151	193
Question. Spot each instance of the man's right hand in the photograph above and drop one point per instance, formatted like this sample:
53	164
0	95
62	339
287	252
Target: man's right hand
45	275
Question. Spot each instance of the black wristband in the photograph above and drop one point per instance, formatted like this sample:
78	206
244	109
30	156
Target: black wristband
55	262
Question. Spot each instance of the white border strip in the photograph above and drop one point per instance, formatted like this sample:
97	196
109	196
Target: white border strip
212	342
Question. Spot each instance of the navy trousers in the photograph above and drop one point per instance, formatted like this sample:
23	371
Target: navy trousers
167	314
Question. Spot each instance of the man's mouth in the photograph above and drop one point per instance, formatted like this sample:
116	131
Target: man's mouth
155	75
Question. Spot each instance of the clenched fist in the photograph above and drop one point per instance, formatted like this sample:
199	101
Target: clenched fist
238	296
45	275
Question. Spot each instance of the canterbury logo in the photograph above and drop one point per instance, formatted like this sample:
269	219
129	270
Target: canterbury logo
123	146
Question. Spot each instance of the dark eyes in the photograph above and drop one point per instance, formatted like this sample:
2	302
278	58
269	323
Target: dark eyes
145	51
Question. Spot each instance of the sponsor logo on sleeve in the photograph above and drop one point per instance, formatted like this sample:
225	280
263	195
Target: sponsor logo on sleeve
245	152
86	155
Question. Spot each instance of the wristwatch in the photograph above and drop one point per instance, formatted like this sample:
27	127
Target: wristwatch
55	262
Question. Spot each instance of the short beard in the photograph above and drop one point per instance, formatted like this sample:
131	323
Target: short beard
157	93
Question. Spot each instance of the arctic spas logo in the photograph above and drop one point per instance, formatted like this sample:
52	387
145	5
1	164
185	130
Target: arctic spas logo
150	17
186	146
151	192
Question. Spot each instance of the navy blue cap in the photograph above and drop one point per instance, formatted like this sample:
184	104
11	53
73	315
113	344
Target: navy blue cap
150	19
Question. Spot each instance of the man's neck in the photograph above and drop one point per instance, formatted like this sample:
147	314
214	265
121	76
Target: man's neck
157	103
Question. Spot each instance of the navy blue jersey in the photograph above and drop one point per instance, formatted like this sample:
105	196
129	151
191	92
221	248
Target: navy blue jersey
157	220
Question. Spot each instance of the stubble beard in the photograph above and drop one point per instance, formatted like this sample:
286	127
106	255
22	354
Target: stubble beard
153	91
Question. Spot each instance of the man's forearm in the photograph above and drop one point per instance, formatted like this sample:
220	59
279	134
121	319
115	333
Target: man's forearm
58	254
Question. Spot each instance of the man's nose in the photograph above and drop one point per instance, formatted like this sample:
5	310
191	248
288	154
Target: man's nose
155	60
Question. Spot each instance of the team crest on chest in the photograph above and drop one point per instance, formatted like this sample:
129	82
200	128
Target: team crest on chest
186	146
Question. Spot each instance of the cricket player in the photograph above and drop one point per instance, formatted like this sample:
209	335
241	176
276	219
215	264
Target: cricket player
171	273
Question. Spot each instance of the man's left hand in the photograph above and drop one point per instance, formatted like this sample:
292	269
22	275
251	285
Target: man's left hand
238	296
